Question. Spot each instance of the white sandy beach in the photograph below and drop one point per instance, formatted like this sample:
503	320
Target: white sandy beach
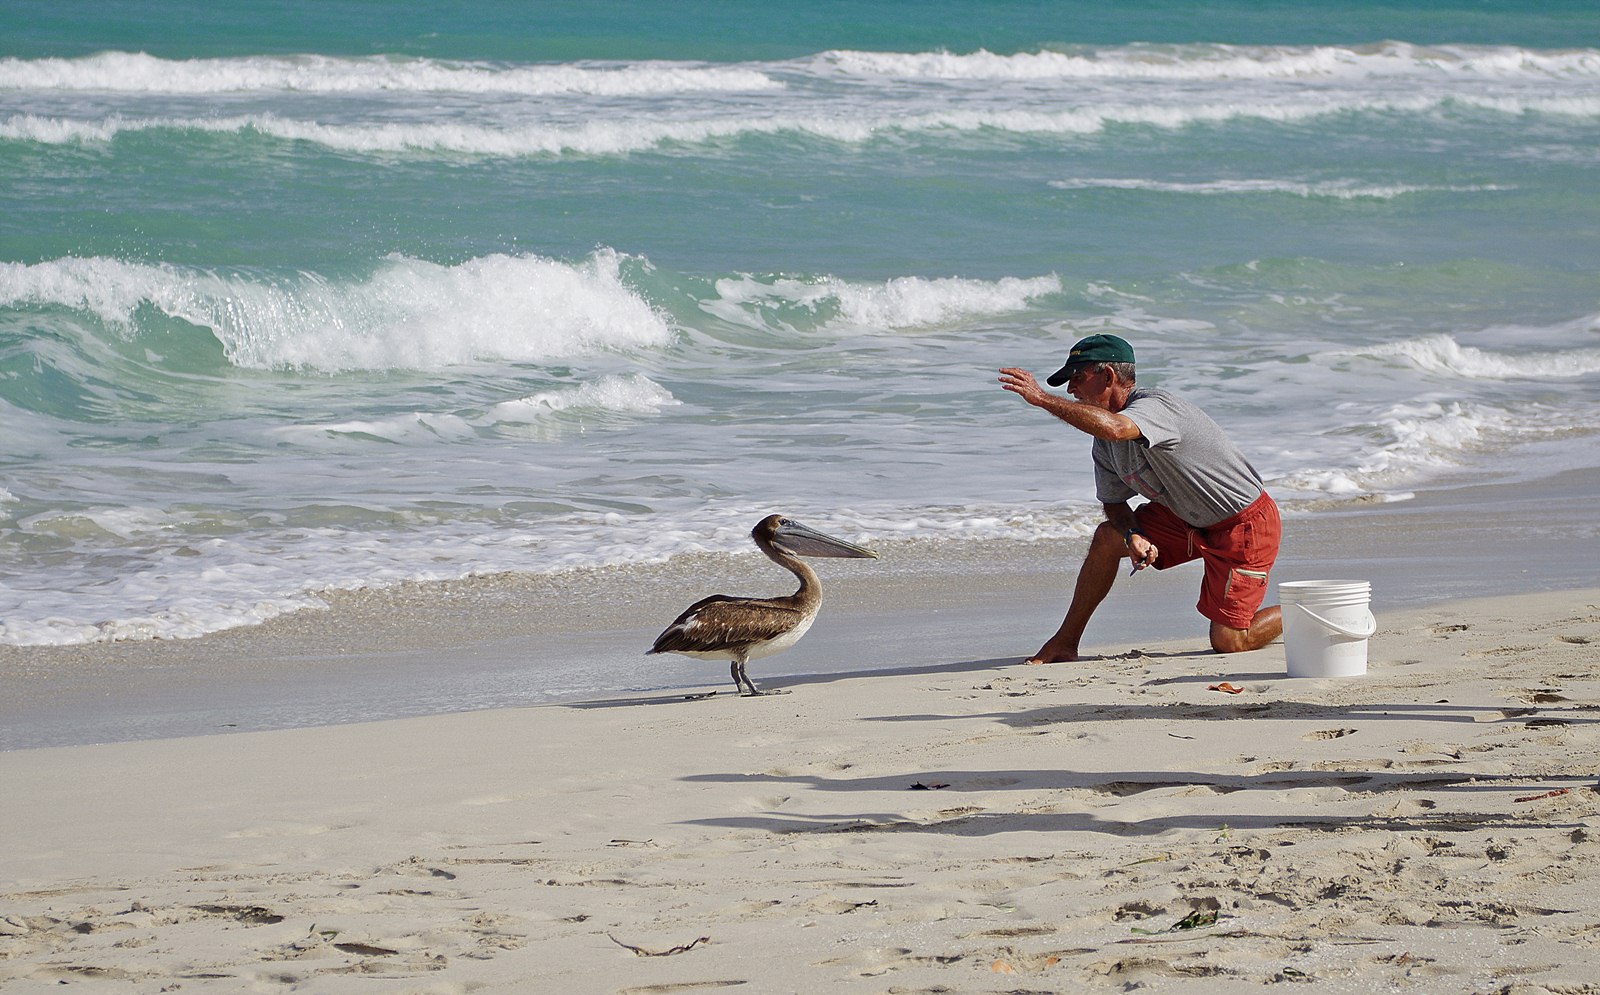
1101	826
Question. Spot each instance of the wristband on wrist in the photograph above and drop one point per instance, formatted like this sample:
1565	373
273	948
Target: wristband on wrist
1128	534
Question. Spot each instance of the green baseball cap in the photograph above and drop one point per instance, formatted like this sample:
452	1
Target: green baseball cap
1094	349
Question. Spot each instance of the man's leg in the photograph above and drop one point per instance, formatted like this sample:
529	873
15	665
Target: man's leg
1264	628
1095	577
1239	558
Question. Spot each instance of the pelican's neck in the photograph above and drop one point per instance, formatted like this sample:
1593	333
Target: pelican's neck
809	594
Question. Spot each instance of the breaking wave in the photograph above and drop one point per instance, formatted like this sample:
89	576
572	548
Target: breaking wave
409	314
136	72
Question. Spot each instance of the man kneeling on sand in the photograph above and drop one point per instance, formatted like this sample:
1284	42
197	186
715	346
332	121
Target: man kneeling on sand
1204	499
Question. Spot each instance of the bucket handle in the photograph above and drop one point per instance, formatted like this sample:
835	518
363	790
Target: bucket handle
1370	628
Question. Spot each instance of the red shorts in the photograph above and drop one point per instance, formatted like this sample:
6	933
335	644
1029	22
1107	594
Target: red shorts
1238	553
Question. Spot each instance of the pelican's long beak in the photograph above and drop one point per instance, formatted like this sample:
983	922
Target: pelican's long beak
802	540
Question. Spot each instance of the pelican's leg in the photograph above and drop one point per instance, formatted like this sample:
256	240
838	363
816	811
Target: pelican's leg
741	680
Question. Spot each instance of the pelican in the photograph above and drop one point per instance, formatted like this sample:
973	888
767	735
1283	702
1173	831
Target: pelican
723	627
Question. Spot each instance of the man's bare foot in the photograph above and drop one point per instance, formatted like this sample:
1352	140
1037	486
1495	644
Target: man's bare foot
1048	655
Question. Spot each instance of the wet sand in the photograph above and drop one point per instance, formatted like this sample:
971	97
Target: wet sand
511	640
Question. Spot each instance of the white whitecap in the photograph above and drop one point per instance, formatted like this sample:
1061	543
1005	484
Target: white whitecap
1331	189
137	72
1209	61
628	134
900	303
1443	354
630	394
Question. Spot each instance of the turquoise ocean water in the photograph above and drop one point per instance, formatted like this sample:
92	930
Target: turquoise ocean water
333	295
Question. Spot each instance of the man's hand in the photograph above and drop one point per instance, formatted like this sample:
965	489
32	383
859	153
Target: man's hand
1141	551
1022	383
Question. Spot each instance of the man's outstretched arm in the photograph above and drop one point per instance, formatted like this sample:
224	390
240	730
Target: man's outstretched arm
1087	418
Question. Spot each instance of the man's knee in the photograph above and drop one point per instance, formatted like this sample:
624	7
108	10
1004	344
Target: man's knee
1229	640
1226	639
1264	628
1105	532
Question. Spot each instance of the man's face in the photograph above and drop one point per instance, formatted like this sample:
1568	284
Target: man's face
1091	385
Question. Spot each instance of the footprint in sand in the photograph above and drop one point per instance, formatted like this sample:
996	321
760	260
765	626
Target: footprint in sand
1137	972
1015	932
1136	910
1123	789
283	829
871	962
250	915
681	986
832	905
1540	696
1312	737
1405	807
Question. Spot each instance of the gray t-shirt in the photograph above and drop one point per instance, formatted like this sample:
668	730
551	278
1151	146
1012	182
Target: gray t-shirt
1182	459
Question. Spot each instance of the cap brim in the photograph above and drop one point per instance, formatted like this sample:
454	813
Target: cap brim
1064	374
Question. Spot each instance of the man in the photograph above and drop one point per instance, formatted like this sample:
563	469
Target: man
1204	499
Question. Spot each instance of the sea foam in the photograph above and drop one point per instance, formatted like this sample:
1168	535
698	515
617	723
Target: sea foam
1406	442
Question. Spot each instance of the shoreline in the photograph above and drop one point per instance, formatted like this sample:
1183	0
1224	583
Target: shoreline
513	640
961	826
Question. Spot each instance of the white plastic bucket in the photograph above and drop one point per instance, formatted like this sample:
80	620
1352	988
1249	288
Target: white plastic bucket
1326	624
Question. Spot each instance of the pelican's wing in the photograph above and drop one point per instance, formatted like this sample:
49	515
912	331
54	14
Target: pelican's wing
721	622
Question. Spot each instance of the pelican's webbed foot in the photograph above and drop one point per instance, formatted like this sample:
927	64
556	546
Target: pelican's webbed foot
747	687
